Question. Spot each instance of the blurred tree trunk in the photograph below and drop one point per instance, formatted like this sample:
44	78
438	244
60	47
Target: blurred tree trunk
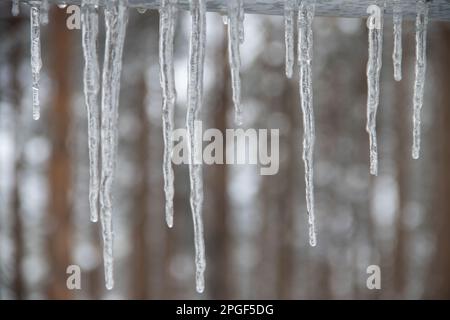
140	283
59	170
219	240
168	291
15	59
94	277
286	197
439	269
401	151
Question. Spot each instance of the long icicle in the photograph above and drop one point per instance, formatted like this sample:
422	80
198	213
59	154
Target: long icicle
167	19
397	54
36	61
235	38
289	17
116	17
89	20
195	92
421	64
305	48
15	9
374	64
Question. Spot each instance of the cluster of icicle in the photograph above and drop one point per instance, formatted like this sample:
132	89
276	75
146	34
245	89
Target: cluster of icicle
103	119
374	67
102	128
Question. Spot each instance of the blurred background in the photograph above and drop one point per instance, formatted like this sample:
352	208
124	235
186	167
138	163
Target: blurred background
255	226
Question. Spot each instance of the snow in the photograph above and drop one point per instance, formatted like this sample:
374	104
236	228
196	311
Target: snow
397	54
36	62
305	48
168	14
419	83
373	85
195	92
289	17
235	38
89	19
116	16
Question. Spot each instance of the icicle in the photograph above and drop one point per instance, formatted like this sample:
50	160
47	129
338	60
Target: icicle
89	19
195	92
289	16
419	83
36	62
167	20
235	36
44	12
305	47
241	17
15	9
116	17
397	54
373	81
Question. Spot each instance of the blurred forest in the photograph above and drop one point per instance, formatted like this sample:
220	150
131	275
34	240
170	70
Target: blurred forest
255	226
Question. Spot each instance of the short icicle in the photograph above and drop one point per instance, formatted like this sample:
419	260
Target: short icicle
375	34
289	18
305	48
421	64
235	38
44	12
195	92
167	19
15	9
116	17
89	32
397	54
36	61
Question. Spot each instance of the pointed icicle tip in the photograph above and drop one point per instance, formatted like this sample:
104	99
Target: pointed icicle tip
200	282
169	223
